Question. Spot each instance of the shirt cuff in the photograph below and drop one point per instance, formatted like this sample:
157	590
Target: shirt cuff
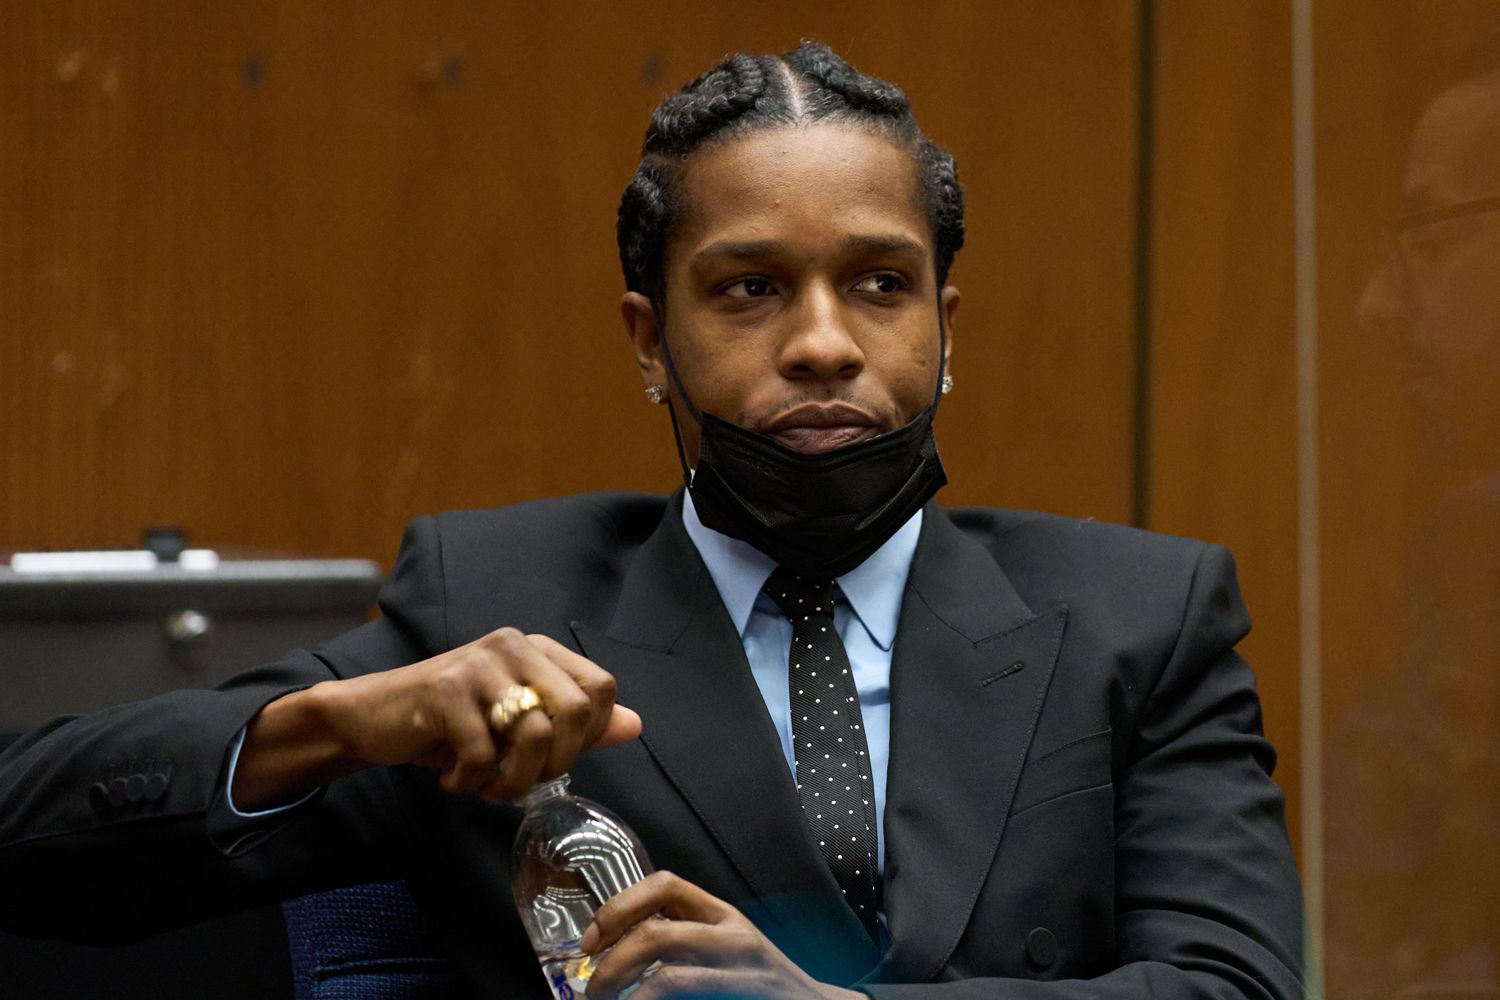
231	829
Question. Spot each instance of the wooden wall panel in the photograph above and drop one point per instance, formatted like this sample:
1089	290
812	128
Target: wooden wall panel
1222	449
290	274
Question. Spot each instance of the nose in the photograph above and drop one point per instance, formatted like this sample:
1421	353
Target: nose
819	343
1382	309
1387	314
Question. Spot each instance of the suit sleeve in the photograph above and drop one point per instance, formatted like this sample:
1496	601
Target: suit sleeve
104	818
1208	902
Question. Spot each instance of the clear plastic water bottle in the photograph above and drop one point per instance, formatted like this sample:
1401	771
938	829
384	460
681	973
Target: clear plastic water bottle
570	856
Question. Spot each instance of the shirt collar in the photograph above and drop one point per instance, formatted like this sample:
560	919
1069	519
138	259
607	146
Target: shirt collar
873	588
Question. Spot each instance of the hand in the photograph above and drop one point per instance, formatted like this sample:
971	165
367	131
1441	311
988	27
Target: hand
707	947
437	713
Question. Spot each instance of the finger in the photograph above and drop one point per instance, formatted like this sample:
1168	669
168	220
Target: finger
597	684
660	892
678	981
507	657
683	942
579	711
623	725
471	746
528	743
440	759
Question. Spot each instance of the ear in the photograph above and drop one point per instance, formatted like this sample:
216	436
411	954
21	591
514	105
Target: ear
948	303
645	337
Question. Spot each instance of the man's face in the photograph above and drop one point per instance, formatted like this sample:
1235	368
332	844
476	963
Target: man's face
801	296
1438	297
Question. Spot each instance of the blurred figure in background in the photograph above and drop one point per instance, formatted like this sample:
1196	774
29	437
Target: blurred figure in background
1414	766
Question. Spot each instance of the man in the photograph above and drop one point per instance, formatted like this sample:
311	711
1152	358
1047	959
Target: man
1413	762
1049	759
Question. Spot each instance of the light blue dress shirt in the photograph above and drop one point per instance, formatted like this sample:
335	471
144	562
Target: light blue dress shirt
865	617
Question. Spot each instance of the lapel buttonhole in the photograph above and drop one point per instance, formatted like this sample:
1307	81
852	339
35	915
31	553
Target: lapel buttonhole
1014	668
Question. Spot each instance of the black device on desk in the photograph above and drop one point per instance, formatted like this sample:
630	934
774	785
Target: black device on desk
82	631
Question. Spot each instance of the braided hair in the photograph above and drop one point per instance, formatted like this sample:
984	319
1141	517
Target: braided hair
745	93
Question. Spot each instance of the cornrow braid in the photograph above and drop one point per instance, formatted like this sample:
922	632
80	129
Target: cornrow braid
745	93
837	80
707	105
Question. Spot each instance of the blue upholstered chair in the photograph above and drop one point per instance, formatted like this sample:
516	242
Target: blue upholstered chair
366	942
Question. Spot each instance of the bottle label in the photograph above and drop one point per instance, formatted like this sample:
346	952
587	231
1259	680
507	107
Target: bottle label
569	978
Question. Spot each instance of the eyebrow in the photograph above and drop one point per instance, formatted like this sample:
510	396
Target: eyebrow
885	244
756	249
741	250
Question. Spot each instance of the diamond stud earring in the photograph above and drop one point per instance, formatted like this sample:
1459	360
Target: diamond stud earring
656	394
946	386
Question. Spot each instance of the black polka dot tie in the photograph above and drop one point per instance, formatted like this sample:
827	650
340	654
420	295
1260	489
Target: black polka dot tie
828	740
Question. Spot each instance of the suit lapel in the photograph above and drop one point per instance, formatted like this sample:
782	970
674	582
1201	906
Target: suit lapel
970	669
678	661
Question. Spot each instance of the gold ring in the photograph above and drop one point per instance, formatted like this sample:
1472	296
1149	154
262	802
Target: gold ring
512	703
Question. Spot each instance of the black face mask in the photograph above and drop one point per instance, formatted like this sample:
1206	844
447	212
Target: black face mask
821	514
818	514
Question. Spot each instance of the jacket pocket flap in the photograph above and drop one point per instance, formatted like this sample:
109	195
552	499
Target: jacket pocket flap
1076	765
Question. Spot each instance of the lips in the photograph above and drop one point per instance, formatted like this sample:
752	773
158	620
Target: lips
817	427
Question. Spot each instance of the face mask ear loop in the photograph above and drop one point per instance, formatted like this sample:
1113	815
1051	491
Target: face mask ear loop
687	473
666	353
693	411
937	393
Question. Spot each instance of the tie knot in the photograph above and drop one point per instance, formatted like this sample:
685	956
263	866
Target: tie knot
799	596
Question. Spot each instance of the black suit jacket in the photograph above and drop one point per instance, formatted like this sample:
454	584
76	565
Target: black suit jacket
1079	799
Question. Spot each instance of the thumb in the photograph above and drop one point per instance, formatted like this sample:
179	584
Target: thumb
624	724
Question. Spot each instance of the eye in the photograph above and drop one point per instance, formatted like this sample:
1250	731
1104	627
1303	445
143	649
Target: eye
749	288
882	283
